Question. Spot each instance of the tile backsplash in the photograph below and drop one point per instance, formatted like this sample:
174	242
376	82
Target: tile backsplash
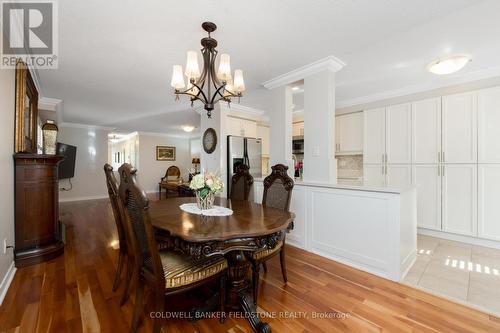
350	165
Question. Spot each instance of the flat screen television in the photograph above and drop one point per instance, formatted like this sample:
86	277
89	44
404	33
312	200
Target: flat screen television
66	166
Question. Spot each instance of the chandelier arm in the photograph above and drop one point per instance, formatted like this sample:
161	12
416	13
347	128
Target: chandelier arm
217	92
185	92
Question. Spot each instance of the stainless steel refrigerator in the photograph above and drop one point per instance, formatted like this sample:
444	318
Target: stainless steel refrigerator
242	150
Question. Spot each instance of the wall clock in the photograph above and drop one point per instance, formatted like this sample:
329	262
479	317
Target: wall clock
209	140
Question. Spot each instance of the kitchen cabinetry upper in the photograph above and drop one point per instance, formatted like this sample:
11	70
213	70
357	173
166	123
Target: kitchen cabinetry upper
426	130
459	128
349	133
398	134
374	136
241	127
488	108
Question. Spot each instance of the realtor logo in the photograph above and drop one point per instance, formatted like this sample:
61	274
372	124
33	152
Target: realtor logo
29	32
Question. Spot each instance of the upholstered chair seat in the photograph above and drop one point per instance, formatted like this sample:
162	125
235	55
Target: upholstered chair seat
257	255
182	270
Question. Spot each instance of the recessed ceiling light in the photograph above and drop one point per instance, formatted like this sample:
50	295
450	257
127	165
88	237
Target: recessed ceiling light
449	64
295	88
188	128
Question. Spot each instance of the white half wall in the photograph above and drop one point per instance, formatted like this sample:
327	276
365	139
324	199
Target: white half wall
150	170
7	112
91	155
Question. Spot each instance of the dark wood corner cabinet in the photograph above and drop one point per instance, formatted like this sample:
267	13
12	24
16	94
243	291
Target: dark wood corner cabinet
37	226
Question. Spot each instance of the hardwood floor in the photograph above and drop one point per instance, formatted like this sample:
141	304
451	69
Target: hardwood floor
73	293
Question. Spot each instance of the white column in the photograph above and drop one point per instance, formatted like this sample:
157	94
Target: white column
280	136
217	160
319	127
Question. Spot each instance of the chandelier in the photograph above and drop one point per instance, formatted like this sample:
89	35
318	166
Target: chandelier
208	86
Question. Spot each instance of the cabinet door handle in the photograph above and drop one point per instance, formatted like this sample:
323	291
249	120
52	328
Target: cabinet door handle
439	157
439	170
443	157
442	171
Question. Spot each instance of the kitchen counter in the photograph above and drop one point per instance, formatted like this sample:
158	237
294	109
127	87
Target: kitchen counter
367	227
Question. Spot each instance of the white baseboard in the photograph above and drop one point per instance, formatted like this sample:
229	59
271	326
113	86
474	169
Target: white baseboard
95	197
460	238
7	280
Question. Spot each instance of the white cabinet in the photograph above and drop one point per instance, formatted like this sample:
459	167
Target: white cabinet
374	136
249	128
298	129
488	113
263	133
459	198
349	133
241	127
398	134
488	199
426	131
233	126
427	179
398	175
459	128
374	174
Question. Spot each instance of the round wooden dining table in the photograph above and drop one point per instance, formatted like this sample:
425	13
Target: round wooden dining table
251	227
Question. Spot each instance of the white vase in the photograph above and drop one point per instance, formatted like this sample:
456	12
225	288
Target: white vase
205	203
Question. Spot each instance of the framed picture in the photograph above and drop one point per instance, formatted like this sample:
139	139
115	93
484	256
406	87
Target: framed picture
26	131
165	153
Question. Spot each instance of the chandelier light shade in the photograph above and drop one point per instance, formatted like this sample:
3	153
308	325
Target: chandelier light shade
208	86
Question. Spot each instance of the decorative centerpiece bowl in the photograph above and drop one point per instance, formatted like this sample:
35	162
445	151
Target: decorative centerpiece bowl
206	185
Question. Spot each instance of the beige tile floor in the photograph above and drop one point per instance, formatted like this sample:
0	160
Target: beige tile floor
466	273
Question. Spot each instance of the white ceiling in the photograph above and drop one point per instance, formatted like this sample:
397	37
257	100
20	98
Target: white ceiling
116	56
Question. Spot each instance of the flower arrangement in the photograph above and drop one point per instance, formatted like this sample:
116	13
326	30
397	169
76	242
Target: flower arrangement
205	186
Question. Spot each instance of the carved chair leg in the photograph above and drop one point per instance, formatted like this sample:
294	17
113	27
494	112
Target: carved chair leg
255	280
283	263
159	307
222	293
139	295
264	266
119	269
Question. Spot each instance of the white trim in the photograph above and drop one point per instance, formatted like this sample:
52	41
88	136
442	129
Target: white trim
460	238
6	281
331	63
85	126
415	89
241	108
93	197
47	103
174	136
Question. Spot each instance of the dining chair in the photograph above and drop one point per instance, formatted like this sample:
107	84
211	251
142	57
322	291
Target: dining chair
125	253
241	183
278	188
164	272
170	181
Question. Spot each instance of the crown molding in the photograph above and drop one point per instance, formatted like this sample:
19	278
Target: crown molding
85	126
50	104
416	89
173	136
241	108
330	63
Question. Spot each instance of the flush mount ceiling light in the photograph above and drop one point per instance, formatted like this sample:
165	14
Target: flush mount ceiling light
449	64
208	86
188	128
